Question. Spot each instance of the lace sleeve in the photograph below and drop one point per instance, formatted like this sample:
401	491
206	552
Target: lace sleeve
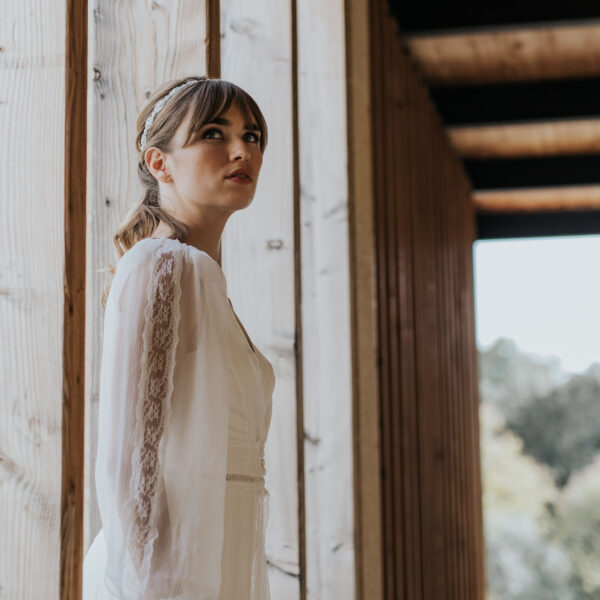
138	360
159	340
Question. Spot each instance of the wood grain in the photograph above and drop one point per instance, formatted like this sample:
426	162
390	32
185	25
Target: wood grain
262	262
73	422
325	300
32	299
581	197
424	225
551	138
507	54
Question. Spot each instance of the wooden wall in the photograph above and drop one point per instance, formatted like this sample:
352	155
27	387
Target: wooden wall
32	297
432	532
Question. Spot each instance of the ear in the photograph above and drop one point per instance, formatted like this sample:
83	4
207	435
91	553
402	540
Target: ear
156	161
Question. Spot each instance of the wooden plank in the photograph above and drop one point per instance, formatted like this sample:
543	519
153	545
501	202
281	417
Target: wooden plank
73	422
551	138
127	67
325	301
32	297
363	259
262	261
583	197
507	55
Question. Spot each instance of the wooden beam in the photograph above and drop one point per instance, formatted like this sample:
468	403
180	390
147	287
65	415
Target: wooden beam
575	136
583	197
508	55
73	413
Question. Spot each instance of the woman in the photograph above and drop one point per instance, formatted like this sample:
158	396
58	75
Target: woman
185	396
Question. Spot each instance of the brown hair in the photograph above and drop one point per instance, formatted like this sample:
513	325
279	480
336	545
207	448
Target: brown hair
206	100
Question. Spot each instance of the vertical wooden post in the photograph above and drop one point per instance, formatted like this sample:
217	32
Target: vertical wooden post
432	513
71	509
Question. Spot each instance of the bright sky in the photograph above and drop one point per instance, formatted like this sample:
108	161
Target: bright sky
544	293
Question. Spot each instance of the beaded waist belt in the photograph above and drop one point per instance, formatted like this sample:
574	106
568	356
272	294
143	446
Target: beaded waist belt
245	461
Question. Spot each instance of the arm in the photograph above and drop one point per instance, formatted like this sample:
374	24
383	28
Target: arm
138	360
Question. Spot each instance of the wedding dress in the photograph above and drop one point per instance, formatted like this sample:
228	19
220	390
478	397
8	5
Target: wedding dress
184	412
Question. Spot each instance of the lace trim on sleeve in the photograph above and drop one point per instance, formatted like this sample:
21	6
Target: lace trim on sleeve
153	406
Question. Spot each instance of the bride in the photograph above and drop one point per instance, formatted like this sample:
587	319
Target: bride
185	395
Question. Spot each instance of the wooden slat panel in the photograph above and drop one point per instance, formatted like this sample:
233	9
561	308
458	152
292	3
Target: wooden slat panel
127	68
261	260
73	425
32	296
577	136
363	249
325	304
508	55
433	533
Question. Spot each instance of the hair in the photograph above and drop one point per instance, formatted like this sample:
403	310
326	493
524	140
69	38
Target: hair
207	99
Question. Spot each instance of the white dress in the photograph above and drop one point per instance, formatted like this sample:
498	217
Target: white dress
184	412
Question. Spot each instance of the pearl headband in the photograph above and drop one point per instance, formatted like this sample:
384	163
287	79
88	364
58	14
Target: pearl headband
158	106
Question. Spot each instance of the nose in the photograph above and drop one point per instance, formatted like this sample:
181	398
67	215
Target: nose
240	151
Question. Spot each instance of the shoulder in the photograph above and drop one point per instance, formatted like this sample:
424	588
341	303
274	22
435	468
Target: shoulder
168	255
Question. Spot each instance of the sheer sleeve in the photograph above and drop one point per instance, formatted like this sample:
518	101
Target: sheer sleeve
151	487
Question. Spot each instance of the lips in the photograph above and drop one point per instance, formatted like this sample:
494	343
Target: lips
241	173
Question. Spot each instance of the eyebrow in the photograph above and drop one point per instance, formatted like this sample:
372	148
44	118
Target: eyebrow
222	121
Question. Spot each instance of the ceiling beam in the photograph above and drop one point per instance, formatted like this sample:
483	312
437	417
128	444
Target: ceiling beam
576	136
534	172
576	198
511	55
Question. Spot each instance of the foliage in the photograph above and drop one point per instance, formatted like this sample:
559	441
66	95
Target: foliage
578	527
509	378
562	428
520	563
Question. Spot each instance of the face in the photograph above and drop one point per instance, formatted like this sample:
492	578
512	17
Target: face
199	174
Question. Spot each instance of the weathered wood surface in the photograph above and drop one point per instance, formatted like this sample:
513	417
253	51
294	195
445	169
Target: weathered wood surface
551	138
260	258
432	513
507	54
325	300
134	47
32	109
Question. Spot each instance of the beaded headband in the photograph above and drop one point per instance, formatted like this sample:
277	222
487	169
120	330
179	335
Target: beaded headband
158	106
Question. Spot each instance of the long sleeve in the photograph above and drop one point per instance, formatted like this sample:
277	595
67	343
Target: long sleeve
160	466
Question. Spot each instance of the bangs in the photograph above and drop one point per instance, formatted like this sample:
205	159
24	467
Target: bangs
213	100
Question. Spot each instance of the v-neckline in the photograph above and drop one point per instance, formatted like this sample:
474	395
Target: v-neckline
248	340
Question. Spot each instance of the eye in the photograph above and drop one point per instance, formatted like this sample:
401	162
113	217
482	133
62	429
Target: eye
256	136
212	129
